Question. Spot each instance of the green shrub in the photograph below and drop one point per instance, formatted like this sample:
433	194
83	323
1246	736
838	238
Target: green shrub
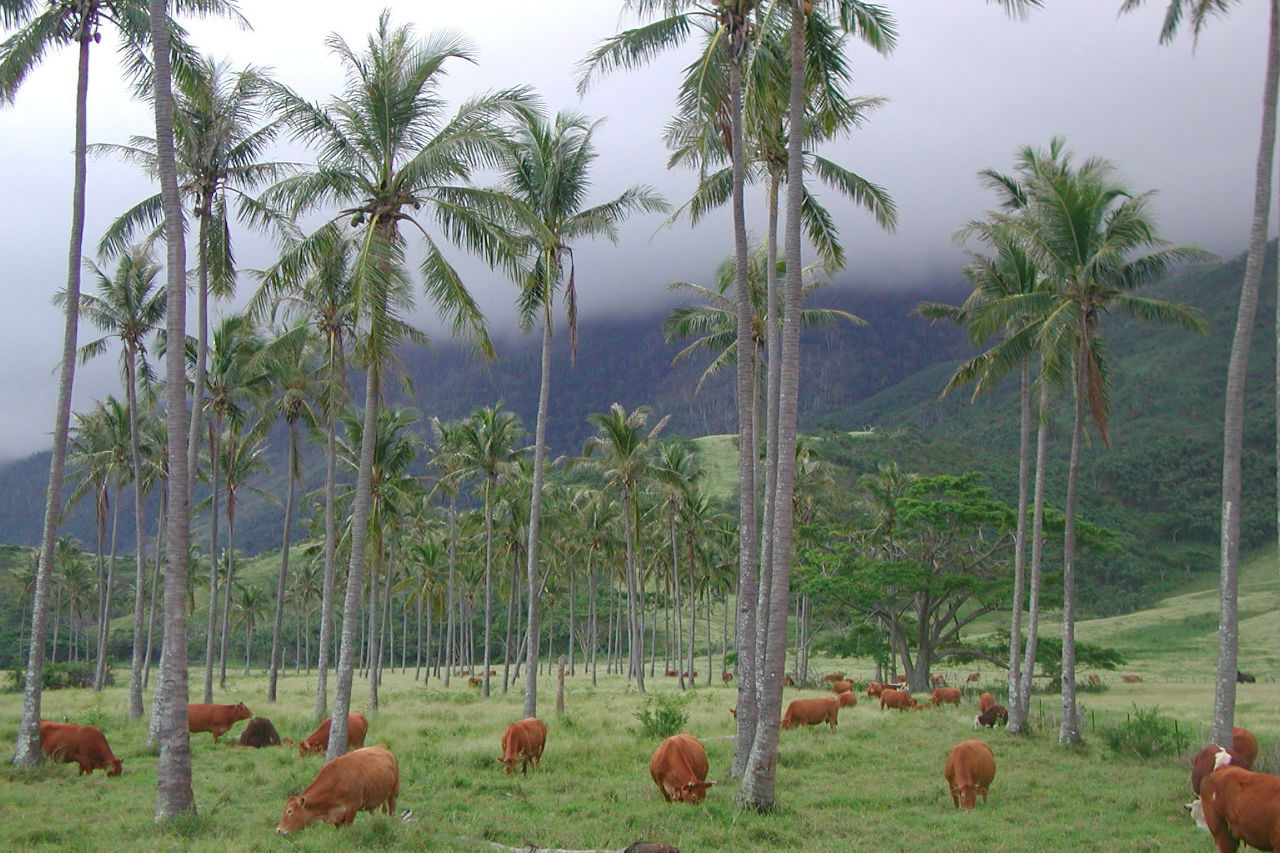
663	716
59	675
1146	733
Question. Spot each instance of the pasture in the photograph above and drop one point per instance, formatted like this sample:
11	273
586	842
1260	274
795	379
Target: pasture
874	784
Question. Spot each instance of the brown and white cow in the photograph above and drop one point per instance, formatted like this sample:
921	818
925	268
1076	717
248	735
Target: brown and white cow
943	695
991	716
846	700
679	769
83	745
899	700
969	770
215	719
1239	805
523	742
842	687
365	780
811	712
318	741
1243	752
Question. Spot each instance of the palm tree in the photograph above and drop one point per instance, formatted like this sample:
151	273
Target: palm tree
547	173
130	307
675	468
1199	12
250	605
387	150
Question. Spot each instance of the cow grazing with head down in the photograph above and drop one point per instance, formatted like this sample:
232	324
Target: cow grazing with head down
1243	752
259	732
985	701
943	695
846	700
899	700
523	742
83	745
842	687
991	716
215	719
969	770
318	741
811	712
1245	678
364	780
973	676
679	769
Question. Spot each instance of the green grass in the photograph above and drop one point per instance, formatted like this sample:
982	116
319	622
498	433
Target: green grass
875	784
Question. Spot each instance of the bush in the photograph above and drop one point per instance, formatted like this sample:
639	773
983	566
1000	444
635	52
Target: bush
1145	733
662	716
58	675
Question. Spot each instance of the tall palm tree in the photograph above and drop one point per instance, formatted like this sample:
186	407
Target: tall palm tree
40	27
129	307
249	606
547	172
1199	12
386	149
676	470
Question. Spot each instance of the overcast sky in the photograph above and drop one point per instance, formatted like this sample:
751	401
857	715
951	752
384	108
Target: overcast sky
965	88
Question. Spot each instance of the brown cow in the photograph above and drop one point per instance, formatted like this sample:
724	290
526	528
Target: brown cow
83	745
215	719
943	695
842	687
846	700
898	699
679	769
523	741
726	677
1130	679
259	732
364	780
991	716
1243	752
1095	681
672	673
899	678
938	680
835	676
695	674
985	701
318	741
811	712
788	681
1239	805
969	770
475	681
973	676
874	689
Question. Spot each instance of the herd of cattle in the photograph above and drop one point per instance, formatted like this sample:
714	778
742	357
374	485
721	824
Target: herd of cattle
1234	803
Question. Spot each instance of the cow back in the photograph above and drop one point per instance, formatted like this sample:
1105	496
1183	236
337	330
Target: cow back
679	767
83	745
1241	804
365	779
969	770
985	701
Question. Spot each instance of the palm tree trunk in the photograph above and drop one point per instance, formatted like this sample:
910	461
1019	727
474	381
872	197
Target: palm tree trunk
226	592
1224	698
512	615
488	583
535	519
104	614
330	533
281	582
215	436
593	619
374	617
675	583
635	632
1018	714
451	638
1020	538
1069	731
140	585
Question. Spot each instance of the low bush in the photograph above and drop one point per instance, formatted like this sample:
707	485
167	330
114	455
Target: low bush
663	716
1146	733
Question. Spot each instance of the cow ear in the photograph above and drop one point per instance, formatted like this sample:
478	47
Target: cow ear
299	802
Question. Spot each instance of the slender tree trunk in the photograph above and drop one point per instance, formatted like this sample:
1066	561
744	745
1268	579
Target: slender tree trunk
104	614
336	378
1069	731
1018	714
140	539
215	470
675	583
488	583
635	631
450	650
535	518
1020	538
277	628
375	617
1224	699
226	590
593	619
512	616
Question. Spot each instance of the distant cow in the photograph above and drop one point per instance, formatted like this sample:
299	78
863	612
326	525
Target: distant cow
788	681
970	768
679	769
811	712
834	676
985	701
726	677
259	732
695	674
943	695
1130	679
846	700
1094	681
523	742
475	681
672	673
1243	752
899	700
874	689
938	680
83	745
215	719
899	678
842	687
318	741
364	780
1244	678
973	676
1239	805
991	716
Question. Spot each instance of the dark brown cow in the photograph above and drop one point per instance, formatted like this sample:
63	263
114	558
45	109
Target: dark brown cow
1243	752
985	701
846	700
364	780
83	745
1239	805
523	741
679	769
842	687
811	712
318	741
215	719
899	700
943	695
991	716
259	732
969	770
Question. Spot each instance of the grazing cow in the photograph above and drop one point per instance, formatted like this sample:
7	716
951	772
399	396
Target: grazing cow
943	695
835	676
83	745
973	676
672	673
788	681
1245	678
991	716
1130	679
969	770
259	732
365	780
318	741
679	769
523	741
900	700
1239	805
985	701
215	719
1243	752
475	681
811	712
726	677
695	674
1094	681
842	687
846	700
874	689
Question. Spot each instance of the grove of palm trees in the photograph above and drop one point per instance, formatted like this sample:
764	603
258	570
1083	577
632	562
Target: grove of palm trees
446	575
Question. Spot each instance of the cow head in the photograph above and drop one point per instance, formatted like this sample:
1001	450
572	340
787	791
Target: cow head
692	792
510	764
306	747
1197	813
241	712
296	816
966	796
1221	758
115	767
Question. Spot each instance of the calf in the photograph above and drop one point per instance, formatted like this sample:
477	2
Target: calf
1243	752
991	716
1239	805
215	719
523	741
969	770
83	745
259	732
811	712
318	741
846	700
899	700
944	695
364	780
679	769
985	701
842	687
